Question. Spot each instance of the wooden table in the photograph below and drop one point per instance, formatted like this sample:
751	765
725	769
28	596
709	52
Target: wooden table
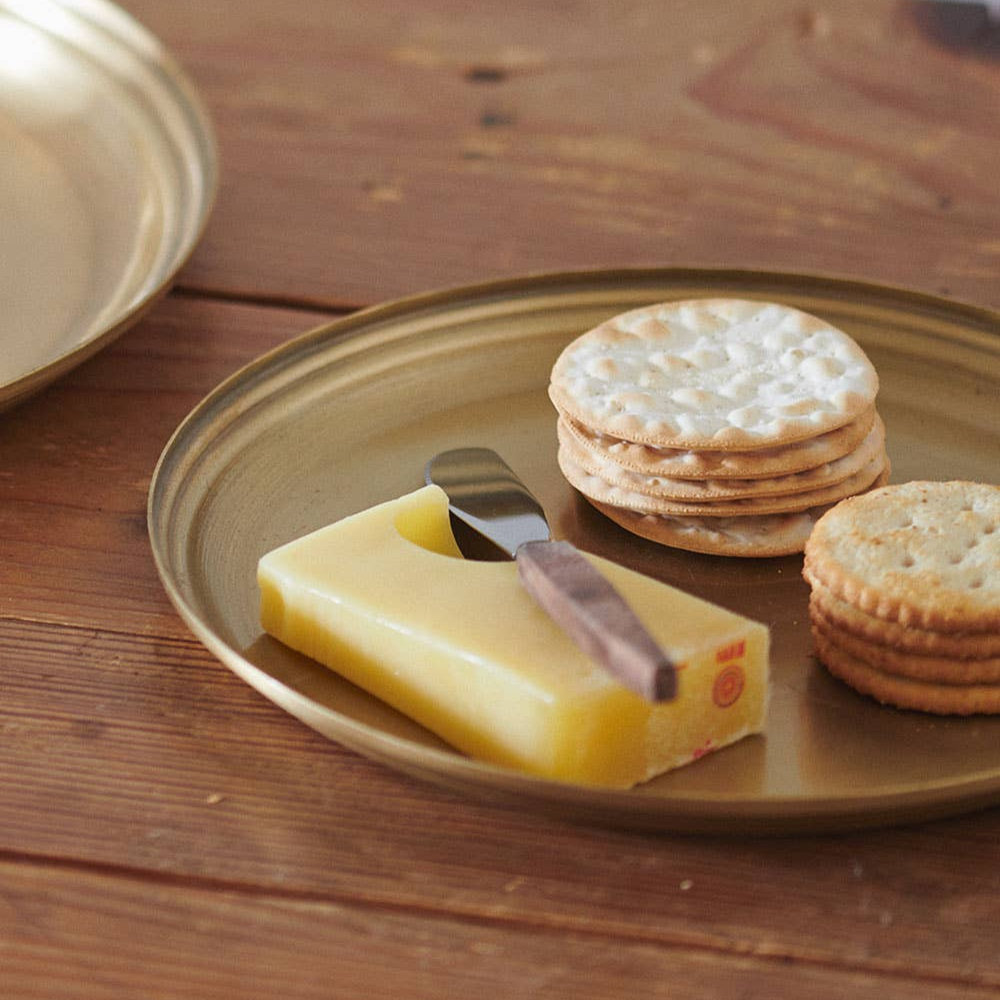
165	831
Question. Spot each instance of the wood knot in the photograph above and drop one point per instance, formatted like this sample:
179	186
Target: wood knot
486	74
492	118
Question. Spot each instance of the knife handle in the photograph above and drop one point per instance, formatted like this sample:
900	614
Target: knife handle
585	605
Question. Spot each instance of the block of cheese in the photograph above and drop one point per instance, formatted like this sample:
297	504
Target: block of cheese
385	598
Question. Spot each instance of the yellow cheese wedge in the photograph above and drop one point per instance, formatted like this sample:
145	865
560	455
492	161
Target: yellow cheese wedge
385	598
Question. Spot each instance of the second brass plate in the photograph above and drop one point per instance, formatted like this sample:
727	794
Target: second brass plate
346	417
107	176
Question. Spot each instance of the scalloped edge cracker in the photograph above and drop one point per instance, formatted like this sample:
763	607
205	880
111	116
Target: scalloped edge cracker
923	554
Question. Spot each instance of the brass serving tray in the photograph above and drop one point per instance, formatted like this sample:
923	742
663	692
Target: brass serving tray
107	175
346	416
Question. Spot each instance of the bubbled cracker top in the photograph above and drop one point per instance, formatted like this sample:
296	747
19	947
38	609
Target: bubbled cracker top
714	373
923	554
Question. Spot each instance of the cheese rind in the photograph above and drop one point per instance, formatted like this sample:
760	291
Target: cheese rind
385	598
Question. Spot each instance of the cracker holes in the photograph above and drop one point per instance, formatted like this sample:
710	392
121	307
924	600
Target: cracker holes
909	562
976	584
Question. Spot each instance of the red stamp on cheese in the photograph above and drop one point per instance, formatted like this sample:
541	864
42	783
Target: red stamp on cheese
728	685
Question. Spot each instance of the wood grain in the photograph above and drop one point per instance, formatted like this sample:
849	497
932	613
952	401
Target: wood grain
165	831
143	754
127	749
381	149
76	461
186	940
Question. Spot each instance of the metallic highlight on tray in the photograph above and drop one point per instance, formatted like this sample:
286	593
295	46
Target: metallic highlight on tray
109	172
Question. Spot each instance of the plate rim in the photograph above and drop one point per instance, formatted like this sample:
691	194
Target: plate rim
728	815
103	15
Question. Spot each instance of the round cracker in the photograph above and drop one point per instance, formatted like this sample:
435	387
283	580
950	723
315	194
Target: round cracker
916	666
763	536
610	471
925	554
714	373
679	463
597	489
903	692
960	645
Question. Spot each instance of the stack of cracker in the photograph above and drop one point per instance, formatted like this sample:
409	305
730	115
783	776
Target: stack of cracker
905	603
718	425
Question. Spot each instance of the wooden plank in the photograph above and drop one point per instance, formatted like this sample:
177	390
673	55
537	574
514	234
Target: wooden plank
91	935
76	461
381	149
124	743
144	754
164	831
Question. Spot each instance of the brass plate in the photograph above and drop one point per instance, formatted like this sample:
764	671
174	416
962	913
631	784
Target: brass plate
107	174
347	415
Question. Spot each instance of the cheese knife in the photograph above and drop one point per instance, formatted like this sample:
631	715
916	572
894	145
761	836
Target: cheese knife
487	496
